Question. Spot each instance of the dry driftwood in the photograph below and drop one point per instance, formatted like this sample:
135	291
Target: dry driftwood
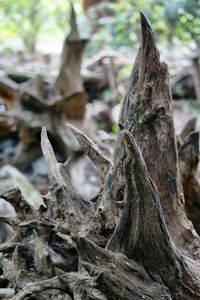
149	249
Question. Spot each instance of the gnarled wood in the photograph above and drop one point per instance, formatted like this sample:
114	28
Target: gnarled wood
147	243
141	233
147	114
71	207
92	150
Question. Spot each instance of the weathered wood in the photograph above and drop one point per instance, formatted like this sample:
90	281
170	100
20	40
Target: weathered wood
9	91
69	80
188	164
141	233
92	150
70	206
105	218
147	243
147	114
188	128
117	276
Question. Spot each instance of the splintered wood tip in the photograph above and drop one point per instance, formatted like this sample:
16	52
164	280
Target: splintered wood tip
147	32
43	132
74	34
73	14
73	128
145	24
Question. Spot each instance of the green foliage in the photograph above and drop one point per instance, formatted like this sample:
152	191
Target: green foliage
173	20
188	27
115	130
27	19
23	18
125	71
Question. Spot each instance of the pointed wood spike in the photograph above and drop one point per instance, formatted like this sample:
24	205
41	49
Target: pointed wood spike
92	150
59	191
189	157
105	219
188	128
142	234
147	67
149	60
147	33
91	253
50	158
47	149
74	33
147	113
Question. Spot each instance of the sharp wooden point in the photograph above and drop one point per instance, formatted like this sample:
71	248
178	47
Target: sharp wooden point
147	32
43	133
73	129
145	22
194	138
73	14
43	129
74	34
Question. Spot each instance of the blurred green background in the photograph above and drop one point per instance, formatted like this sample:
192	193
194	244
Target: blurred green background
34	25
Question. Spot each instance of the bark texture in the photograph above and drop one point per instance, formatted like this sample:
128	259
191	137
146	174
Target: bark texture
188	164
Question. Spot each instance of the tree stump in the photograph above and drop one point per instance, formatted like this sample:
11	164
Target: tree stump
134	245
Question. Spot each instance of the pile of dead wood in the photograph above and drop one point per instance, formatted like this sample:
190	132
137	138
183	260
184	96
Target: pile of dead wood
135	240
